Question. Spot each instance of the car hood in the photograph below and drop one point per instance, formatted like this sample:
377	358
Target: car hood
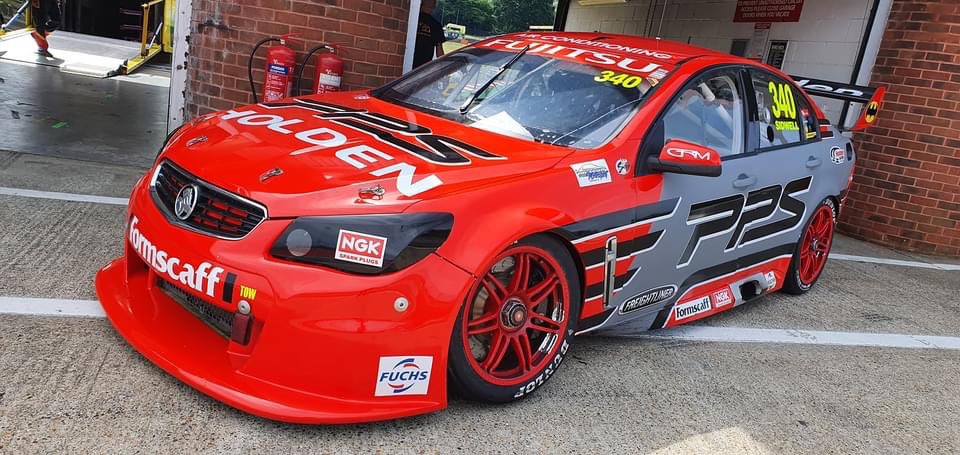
314	155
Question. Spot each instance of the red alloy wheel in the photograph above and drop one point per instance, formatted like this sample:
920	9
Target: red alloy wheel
815	245
516	317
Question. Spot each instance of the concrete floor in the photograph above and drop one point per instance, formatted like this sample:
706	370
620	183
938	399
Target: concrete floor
72	385
114	120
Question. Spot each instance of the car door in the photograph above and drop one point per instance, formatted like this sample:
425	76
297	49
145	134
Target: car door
708	114
779	174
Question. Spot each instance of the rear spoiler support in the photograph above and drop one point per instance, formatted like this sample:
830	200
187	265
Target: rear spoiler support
870	97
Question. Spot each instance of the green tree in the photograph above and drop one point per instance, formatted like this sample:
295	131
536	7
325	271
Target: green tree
476	15
519	15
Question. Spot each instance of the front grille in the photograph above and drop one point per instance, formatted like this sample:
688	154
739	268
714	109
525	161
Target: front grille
217	212
217	318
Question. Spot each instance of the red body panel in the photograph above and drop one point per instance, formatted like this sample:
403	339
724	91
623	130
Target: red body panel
715	289
318	334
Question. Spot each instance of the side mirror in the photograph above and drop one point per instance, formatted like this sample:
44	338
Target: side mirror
681	157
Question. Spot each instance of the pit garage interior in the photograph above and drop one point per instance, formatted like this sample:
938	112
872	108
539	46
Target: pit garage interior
864	363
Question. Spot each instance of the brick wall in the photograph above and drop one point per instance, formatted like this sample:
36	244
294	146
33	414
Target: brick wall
370	34
906	190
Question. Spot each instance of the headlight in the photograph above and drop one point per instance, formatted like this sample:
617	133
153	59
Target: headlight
366	244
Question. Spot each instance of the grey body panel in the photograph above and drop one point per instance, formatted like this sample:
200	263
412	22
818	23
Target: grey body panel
662	265
684	258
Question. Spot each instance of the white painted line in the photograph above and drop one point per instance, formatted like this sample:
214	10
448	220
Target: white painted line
872	260
92	308
51	307
813	337
5	191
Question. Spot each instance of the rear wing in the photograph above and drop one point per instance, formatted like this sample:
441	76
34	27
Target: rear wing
870	97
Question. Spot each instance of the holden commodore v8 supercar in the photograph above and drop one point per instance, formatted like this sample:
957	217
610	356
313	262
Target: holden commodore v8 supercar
349	257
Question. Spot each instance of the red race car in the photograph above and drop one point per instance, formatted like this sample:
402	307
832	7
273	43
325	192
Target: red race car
351	257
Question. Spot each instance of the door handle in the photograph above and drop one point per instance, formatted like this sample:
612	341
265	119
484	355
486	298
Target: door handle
813	162
744	181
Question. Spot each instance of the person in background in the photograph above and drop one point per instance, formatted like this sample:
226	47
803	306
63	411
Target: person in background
429	35
45	15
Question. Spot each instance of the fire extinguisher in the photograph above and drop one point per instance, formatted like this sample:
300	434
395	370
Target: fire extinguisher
279	71
328	71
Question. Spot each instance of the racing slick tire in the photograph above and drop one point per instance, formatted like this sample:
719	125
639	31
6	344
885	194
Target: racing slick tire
812	250
517	324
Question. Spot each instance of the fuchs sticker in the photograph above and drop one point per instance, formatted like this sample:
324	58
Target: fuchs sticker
771	280
403	375
693	308
591	173
722	298
837	155
647	298
361	248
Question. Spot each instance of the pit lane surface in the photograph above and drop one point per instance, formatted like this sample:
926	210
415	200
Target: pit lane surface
71	384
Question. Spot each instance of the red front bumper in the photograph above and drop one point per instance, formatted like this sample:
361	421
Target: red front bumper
318	336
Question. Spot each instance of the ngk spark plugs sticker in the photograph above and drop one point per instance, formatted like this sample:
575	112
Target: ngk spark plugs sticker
591	173
361	248
403	375
722	298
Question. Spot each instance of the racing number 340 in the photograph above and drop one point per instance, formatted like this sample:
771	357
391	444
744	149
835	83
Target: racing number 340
622	79
736	212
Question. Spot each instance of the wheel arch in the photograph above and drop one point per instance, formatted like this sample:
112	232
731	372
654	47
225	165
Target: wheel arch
835	201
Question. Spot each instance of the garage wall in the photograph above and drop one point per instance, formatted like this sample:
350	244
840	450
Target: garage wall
370	34
823	45
906	190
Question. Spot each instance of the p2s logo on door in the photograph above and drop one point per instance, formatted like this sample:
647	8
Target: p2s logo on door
746	216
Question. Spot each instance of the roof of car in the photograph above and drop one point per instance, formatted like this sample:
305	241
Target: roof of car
622	44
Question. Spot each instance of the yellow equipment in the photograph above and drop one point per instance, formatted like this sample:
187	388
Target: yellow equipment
164	31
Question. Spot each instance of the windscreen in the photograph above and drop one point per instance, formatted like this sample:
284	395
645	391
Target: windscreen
540	98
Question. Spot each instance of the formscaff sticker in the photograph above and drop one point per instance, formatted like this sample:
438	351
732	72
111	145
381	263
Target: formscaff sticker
202	278
692	308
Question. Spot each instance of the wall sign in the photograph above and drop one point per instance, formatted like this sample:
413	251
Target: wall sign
761	31
776	54
768	11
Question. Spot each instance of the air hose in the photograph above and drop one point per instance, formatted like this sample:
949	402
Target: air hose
253	90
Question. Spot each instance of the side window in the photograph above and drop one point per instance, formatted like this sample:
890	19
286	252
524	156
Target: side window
708	112
811	126
778	114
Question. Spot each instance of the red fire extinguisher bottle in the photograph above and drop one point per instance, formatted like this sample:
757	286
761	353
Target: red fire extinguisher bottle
329	71
279	72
